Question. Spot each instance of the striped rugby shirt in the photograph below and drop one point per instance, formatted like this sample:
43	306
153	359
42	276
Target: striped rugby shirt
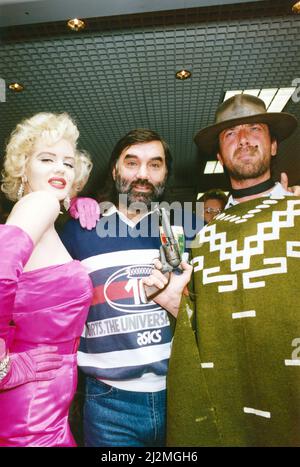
126	341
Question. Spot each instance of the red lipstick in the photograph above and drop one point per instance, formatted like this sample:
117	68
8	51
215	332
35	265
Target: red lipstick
57	182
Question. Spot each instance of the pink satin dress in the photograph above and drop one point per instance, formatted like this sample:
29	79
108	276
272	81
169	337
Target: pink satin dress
49	307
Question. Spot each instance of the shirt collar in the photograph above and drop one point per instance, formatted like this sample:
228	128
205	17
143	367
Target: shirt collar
113	209
276	192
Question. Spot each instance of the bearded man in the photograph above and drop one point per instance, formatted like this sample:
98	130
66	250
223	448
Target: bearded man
125	347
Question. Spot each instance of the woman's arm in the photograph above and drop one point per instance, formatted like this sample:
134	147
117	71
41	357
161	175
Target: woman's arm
35	213
30	218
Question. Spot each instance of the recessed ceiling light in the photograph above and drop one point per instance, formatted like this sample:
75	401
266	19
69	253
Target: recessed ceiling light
213	167
210	167
218	168
16	87
183	74
252	92
267	95
200	194
76	24
275	99
229	94
280	99
296	7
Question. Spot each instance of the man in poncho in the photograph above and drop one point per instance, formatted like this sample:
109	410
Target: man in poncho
234	375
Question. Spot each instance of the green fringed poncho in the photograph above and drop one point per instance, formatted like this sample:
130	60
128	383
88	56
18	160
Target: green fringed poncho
234	375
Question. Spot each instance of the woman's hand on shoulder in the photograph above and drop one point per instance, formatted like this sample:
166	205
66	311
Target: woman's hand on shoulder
35	213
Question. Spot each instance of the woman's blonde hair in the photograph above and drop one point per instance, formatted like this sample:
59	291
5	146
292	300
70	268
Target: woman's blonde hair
51	128
83	167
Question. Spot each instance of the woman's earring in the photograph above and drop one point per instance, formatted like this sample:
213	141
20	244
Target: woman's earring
67	202
20	191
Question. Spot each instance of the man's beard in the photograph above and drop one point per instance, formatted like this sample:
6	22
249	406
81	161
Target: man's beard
133	196
245	171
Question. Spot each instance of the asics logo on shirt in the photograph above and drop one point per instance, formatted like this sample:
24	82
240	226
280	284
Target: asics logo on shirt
149	337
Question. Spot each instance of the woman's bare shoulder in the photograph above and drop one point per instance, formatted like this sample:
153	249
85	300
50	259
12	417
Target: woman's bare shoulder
35	213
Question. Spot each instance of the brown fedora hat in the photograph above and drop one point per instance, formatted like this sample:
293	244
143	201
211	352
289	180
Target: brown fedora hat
239	109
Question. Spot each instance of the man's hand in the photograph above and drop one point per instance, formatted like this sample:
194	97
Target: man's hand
171	288
86	210
284	182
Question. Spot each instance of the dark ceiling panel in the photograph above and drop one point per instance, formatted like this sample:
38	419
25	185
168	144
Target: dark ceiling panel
16	12
119	74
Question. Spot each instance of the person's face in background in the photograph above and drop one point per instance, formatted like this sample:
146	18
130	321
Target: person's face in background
51	168
212	207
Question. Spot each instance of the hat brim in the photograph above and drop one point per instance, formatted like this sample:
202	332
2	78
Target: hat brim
281	125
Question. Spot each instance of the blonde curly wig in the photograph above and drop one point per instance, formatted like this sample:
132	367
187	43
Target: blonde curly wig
83	167
51	128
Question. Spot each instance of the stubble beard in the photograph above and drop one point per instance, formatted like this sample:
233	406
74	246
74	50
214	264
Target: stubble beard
250	170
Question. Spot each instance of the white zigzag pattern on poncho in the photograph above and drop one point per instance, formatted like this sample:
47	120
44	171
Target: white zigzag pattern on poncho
253	245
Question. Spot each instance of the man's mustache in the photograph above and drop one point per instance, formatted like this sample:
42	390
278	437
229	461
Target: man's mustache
142	182
250	149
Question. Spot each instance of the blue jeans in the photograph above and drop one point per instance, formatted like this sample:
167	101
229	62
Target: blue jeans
114	417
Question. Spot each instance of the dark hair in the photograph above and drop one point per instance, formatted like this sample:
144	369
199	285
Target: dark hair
136	136
215	193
